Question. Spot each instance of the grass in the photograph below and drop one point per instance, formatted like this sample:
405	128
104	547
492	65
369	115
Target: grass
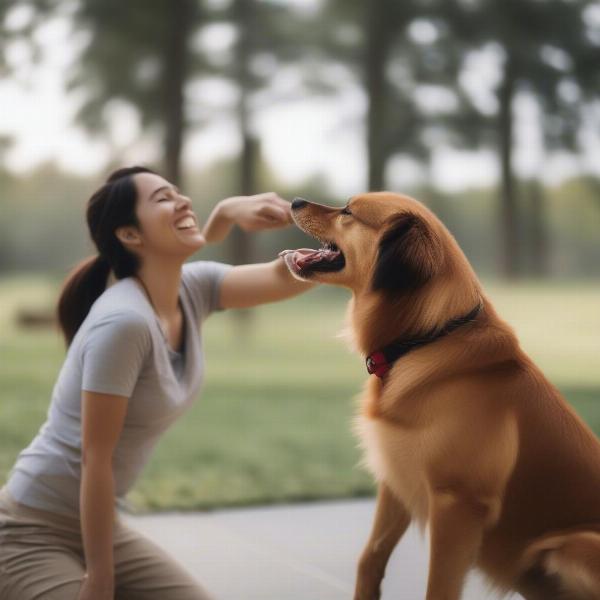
272	423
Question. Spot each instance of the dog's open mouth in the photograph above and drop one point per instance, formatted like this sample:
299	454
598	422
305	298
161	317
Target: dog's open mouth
305	261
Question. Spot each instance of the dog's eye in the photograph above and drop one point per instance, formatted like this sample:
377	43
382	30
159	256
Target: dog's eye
345	211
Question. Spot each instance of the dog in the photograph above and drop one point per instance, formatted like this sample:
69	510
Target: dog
461	430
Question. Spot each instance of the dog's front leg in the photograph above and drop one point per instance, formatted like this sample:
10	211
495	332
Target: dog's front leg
391	521
456	523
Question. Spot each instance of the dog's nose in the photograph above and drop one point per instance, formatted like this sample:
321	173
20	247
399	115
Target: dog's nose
298	203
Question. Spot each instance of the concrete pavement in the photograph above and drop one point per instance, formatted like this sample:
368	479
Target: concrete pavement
290	552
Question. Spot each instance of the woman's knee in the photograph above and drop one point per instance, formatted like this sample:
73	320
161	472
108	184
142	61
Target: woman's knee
67	591
19	590
30	571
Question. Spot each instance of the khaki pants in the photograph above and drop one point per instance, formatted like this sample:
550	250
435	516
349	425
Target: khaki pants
41	558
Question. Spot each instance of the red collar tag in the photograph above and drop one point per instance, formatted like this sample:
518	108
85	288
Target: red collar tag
377	364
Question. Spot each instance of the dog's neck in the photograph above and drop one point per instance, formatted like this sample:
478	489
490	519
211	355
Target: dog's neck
379	320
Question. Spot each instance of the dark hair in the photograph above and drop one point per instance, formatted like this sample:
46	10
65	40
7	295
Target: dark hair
112	206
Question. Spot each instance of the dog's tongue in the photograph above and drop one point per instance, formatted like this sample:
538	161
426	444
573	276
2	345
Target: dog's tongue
306	256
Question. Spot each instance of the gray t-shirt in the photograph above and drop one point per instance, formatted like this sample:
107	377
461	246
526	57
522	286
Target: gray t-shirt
121	349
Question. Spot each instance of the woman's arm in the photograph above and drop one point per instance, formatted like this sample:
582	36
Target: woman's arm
251	213
102	421
250	285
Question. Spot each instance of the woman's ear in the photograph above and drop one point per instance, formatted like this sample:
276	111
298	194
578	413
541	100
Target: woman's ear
127	236
410	254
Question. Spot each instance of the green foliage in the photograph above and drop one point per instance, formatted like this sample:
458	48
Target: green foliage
273	422
546	48
125	57
268	37
31	15
42	226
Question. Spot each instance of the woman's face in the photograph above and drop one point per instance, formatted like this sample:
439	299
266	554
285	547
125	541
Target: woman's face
168	225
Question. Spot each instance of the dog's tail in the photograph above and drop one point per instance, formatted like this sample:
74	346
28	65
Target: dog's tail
572	559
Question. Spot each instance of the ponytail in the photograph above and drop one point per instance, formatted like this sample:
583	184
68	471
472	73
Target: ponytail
86	281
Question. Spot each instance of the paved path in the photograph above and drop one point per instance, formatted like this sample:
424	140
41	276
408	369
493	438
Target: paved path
298	552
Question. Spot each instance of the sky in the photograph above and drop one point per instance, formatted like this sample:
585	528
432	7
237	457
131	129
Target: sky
306	137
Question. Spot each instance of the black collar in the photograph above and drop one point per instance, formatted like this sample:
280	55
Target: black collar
380	362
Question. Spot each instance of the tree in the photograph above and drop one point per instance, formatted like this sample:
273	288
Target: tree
133	51
361	36
545	51
401	53
141	53
18	22
268	37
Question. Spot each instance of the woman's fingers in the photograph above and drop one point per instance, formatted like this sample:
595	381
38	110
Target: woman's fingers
275	213
260	222
269	224
270	197
273	199
264	211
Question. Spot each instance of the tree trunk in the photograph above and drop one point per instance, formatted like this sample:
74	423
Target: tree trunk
538	242
242	250
175	76
377	50
509	235
241	242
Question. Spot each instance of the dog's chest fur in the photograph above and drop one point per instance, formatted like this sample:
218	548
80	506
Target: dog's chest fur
395	454
398	459
446	439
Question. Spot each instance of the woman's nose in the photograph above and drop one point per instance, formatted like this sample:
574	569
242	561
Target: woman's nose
183	201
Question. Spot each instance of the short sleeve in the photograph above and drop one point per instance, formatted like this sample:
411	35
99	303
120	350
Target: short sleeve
204	279
113	353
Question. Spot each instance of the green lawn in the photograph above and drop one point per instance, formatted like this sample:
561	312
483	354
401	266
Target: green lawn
273	421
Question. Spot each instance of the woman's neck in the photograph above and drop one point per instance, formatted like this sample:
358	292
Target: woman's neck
162	284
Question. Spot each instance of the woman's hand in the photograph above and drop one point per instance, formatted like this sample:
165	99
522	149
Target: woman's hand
250	213
261	211
97	589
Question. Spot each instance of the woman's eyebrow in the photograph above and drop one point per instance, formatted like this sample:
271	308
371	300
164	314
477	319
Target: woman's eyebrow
164	187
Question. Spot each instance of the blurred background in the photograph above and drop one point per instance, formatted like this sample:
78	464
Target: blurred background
486	110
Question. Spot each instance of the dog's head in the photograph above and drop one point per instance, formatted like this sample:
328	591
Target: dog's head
379	241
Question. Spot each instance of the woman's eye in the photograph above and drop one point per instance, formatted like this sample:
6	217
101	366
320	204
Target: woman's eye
162	199
345	211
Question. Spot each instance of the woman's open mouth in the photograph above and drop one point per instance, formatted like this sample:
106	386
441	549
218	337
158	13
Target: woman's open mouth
305	261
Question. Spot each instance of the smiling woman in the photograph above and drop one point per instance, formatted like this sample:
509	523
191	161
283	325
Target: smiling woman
134	365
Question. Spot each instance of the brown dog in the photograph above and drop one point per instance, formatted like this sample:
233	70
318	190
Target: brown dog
462	431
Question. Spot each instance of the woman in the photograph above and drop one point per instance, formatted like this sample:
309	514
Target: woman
134	364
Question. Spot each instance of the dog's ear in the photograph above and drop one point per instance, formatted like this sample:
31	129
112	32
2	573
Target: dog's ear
409	254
